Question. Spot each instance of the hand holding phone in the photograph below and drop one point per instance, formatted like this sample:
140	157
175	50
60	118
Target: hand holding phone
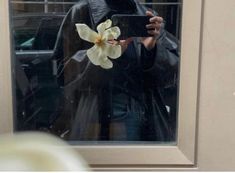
154	29
155	24
147	27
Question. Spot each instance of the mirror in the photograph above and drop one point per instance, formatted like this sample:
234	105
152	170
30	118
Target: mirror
76	78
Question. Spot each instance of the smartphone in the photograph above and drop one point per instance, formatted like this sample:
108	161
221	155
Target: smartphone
131	25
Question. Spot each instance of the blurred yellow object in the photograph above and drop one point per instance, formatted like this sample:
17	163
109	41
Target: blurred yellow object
38	152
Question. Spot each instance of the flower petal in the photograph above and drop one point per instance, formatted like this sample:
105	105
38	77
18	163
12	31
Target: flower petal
86	33
112	51
103	26
94	54
106	63
112	33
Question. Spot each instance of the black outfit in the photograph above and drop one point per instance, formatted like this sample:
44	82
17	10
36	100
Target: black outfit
128	93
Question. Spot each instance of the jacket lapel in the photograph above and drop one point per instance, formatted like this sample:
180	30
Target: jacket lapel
99	9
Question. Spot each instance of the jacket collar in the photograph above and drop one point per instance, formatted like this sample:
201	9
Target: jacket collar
99	9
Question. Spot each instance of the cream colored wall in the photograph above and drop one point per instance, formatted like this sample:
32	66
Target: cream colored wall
6	122
216	147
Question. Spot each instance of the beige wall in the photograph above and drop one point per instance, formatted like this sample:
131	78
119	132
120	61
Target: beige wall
5	77
216	148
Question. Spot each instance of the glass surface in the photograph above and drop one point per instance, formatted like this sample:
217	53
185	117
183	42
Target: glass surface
59	89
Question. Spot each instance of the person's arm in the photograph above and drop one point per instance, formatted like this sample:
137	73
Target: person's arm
70	50
161	62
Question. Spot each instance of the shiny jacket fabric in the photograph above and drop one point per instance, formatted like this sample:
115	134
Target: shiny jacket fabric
88	89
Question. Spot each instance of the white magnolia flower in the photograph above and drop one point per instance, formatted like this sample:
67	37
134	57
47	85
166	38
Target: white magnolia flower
100	53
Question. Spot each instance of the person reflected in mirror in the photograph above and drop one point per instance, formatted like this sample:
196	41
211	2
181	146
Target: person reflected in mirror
122	103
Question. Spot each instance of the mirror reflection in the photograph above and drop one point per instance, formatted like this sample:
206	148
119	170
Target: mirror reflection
97	70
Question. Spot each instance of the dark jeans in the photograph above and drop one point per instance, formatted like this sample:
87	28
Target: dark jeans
128	115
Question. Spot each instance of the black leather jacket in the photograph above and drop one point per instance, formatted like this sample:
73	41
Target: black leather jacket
80	79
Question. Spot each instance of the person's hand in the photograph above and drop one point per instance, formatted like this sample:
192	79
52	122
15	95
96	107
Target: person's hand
153	29
123	43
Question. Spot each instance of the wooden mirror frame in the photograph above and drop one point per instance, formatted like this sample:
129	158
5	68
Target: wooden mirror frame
130	157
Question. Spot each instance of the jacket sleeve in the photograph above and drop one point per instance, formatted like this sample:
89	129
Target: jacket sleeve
161	63
73	66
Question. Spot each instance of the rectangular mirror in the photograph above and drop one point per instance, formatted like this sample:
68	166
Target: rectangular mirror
64	87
